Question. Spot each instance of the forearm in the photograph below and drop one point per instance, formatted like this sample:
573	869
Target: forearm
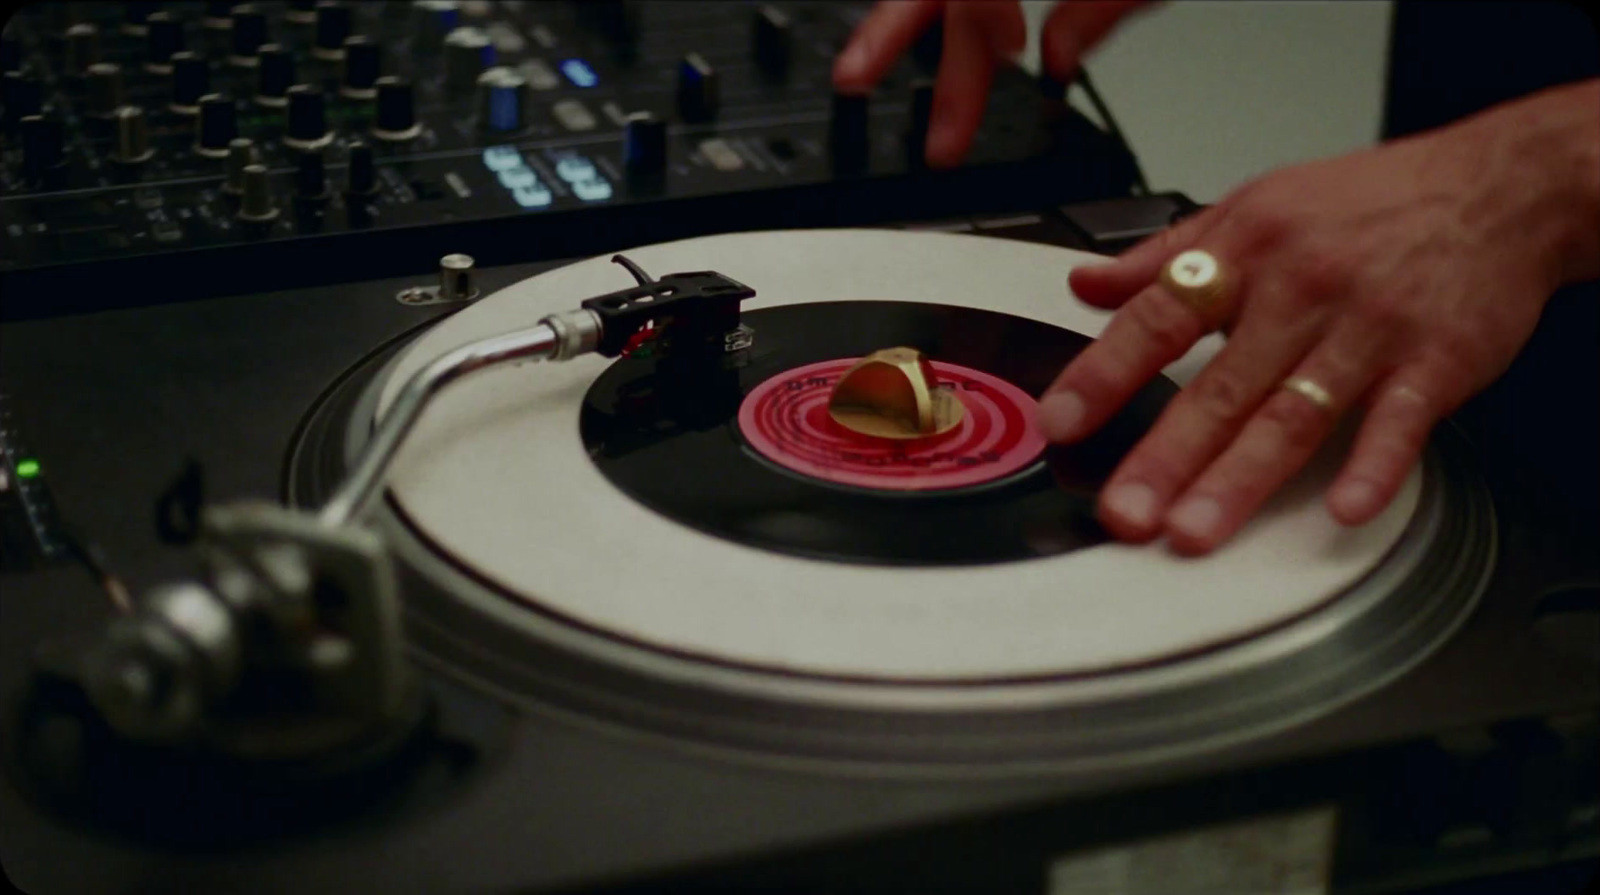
1545	148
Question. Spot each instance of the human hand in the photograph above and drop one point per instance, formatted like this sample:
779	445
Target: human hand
978	36
1400	280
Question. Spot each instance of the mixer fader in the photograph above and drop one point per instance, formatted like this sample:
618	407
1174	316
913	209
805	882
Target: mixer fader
165	144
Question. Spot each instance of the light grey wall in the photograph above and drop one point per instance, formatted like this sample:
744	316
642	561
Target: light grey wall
1213	92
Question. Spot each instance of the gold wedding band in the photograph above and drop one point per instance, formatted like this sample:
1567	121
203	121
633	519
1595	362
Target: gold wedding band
1310	390
1199	280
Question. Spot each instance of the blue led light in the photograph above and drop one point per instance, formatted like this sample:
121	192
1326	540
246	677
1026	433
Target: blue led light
499	158
574	168
535	196
520	176
595	190
579	73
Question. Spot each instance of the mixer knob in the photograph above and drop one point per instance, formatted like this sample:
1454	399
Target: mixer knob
163	37
361	177
217	19
217	125
274	76
191	79
255	200
847	132
467	52
697	89
132	142
434	19
456	282
248	33
502	94
308	118
396	115
23	96
311	176
43	143
644	144
333	26
134	16
772	39
82	48
301	12
104	88
921	114
241	154
362	63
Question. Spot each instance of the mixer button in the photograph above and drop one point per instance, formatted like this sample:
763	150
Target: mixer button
499	158
644	144
395	117
515	178
311	175
362	65
536	196
274	76
132	136
847	133
104	88
697	89
308	118
361	175
163	37
241	154
502	98
539	75
255	203
596	189
247	33
82	48
332	27
216	127
191	79
467	52
772	39
574	115
301	12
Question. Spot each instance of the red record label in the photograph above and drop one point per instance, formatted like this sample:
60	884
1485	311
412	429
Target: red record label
786	420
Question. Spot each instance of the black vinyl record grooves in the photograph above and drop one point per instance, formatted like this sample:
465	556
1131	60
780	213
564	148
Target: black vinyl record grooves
667	433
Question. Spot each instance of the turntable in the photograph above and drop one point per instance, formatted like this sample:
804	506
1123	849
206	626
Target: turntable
738	561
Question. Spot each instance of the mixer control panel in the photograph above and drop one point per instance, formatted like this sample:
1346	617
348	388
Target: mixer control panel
179	138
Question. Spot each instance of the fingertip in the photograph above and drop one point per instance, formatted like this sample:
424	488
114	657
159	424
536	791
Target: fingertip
1100	285
1355	502
947	145
1130	512
850	70
1060	416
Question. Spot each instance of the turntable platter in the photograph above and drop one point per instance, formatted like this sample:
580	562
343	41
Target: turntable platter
498	480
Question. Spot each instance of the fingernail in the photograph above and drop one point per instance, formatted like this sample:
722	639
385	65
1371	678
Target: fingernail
1135	503
1355	500
1197	517
1060	414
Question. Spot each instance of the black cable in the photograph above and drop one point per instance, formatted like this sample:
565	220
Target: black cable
1110	122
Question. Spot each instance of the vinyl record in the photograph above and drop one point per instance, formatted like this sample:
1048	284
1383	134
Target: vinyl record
747	451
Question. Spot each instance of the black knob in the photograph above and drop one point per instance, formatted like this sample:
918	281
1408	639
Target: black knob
771	39
43	143
921	114
104	88
82	48
434	19
396	114
362	64
467	52
308	118
217	125
301	12
311	175
847	132
241	154
22	94
274	76
163	37
698	96
333	26
218	16
247	33
191	79
361	177
132	136
644	144
134	16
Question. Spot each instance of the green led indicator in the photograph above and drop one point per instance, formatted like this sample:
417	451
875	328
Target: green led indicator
27	469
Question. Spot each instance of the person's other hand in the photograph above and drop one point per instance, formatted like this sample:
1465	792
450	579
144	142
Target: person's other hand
1401	280
979	35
